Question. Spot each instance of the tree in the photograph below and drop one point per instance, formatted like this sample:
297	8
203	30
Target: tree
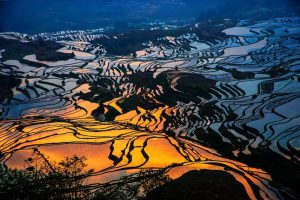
45	179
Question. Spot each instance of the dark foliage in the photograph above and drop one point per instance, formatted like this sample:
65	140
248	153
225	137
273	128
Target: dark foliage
44	50
132	41
44	179
7	83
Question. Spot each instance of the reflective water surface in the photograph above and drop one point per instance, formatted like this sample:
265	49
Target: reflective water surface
168	106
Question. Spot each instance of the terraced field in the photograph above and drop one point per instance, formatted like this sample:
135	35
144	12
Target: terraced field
182	102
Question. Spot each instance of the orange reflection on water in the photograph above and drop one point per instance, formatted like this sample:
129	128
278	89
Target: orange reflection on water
96	154
114	149
162	154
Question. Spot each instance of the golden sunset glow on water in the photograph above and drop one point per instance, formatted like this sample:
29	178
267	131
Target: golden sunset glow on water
155	100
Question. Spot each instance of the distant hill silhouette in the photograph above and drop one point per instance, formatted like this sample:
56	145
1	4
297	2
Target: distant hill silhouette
204	185
36	16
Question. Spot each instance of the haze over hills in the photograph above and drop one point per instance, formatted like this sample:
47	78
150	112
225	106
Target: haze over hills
46	16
